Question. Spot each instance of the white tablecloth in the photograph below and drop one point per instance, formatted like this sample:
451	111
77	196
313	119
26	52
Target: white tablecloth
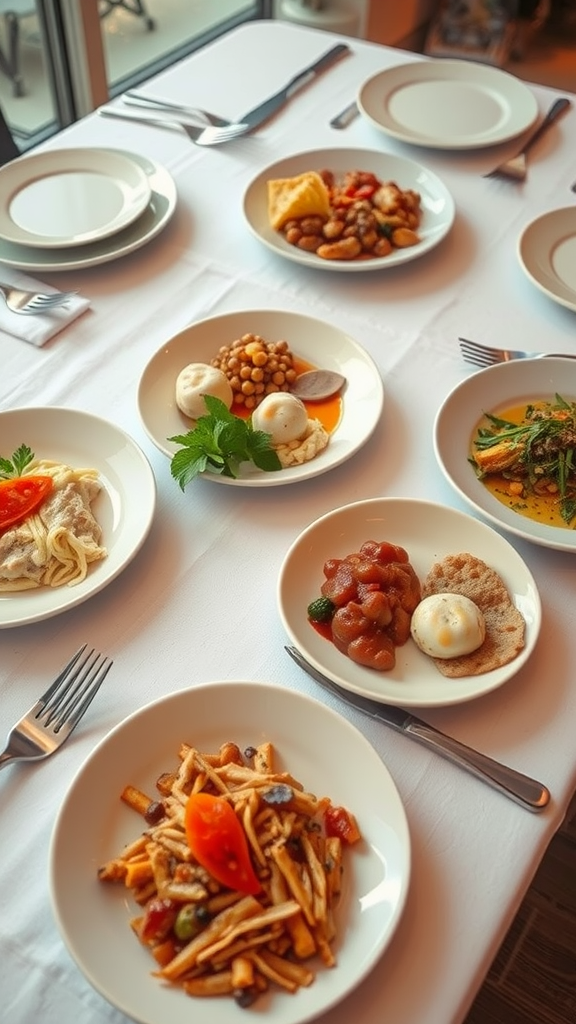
474	852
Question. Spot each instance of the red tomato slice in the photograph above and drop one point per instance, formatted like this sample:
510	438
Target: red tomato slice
218	842
20	497
339	822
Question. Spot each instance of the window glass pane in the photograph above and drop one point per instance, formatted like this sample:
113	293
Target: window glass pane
26	95
142	36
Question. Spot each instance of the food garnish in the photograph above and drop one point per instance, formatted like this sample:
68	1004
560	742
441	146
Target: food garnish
237	873
17	464
218	842
534	455
219	443
20	496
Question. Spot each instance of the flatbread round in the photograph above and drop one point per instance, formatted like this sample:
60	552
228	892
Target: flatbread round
505	626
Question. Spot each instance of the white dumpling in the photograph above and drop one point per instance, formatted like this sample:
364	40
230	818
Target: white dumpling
448	625
197	380
281	415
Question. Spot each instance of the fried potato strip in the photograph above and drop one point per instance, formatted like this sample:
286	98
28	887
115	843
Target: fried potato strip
211	940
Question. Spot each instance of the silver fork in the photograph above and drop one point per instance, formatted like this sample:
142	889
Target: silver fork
27	302
201	135
132	98
485	355
514	169
49	722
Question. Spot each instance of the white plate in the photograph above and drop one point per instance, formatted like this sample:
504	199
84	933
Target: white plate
93	825
68	197
427	532
124	508
497	388
313	340
448	104
149	224
436	201
547	254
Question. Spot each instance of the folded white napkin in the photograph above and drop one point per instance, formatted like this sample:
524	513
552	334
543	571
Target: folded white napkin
37	328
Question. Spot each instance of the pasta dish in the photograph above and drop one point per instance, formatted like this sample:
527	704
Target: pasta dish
55	544
237	874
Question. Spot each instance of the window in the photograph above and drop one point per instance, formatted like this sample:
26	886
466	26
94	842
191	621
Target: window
61	58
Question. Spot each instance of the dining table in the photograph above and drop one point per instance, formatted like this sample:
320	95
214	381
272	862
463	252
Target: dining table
198	603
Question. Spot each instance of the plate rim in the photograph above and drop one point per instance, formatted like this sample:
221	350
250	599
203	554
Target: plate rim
475	71
558	539
79	155
558	213
163	188
392	819
67	598
456	691
357	154
295	474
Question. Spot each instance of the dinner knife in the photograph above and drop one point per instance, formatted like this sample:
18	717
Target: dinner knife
518	787
264	111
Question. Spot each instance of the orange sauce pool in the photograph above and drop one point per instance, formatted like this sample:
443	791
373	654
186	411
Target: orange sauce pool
329	411
540	508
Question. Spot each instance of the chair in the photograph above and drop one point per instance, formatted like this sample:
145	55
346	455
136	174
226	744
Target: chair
8	148
11	12
135	7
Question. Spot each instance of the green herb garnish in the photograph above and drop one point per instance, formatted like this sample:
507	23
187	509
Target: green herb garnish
15	466
540	451
220	443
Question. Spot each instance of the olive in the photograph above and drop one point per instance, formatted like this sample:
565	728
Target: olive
190	920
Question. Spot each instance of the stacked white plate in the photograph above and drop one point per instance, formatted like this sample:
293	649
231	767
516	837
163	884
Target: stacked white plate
69	208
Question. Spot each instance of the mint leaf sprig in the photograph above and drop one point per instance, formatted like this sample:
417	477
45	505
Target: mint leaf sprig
220	443
14	467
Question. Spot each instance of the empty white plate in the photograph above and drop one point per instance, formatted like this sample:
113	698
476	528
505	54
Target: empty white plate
547	254
450	104
141	231
69	197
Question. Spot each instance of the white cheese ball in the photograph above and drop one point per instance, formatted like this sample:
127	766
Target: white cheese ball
281	415
448	625
197	380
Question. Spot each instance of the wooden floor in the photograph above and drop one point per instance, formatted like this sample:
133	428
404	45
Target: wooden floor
533	978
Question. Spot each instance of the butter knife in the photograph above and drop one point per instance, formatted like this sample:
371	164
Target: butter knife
518	787
264	111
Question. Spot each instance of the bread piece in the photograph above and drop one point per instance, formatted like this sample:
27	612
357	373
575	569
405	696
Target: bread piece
305	195
505	626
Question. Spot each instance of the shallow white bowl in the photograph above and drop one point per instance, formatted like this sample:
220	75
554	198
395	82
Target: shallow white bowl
124	508
491	390
93	825
436	201
315	341
428	532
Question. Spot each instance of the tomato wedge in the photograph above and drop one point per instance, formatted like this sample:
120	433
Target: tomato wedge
21	496
218	842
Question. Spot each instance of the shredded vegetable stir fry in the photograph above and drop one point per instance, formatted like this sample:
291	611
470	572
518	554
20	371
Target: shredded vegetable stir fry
536	455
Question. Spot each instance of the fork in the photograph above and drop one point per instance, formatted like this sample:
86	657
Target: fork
132	98
49	722
202	135
485	355
26	302
514	169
